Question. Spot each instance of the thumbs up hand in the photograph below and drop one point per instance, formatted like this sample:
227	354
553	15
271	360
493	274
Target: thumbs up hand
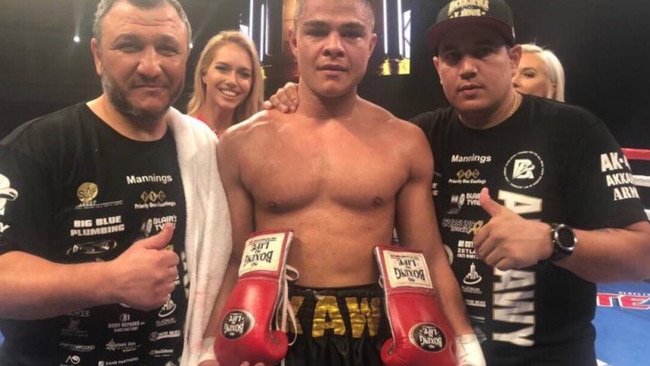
508	241
145	274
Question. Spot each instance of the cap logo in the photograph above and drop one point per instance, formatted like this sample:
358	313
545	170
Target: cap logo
468	8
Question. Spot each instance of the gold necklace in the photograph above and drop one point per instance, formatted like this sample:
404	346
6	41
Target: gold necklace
515	105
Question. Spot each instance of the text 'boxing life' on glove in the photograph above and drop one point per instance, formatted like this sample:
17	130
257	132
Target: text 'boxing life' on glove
421	333
249	329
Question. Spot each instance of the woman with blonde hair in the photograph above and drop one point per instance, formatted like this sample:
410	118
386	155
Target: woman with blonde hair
540	73
228	82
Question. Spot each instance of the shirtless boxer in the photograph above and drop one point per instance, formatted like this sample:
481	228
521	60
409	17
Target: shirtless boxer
341	173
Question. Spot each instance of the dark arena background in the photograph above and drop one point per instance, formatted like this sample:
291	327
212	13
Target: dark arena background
46	64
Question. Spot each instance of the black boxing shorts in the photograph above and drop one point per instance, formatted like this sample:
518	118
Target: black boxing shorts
337	326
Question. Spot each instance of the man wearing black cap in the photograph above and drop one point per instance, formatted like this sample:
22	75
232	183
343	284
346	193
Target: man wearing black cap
527	276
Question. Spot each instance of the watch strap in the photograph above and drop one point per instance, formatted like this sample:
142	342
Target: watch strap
560	250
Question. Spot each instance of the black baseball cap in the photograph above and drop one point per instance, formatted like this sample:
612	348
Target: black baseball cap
495	14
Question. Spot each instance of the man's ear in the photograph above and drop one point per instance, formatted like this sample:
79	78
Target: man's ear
373	43
514	53
293	42
436	64
97	56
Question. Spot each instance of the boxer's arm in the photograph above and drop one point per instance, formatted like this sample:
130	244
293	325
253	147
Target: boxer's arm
240	207
417	228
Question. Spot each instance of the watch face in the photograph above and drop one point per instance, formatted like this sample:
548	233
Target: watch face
565	237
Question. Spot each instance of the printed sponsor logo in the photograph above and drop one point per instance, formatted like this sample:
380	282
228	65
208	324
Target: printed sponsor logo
472	277
524	169
123	347
82	313
410	274
154	336
428	337
236	324
467	176
153	178
92	248
618	177
6	193
478	319
468	8
405	269
120	362
328	317
3	227
262	253
462	226
471	290
125	326
162	352
153	199
457	201
437	177
465	249
475	303
87	192
625	300
481	159
73	360
95	205
167	309
77	347
98	226
165	322
73	329
159	222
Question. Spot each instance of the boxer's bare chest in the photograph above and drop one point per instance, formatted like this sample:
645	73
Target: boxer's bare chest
350	172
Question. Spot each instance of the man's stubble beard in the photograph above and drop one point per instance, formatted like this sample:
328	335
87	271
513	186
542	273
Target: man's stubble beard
120	102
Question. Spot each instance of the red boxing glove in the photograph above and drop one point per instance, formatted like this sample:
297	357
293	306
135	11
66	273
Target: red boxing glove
247	329
421	333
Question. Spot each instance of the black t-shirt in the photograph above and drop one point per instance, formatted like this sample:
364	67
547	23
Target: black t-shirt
551	162
80	192
641	170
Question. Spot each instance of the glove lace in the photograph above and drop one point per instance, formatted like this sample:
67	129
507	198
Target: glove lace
290	274
286	310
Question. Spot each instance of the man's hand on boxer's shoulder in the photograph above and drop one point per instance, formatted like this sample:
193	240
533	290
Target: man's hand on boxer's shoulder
285	99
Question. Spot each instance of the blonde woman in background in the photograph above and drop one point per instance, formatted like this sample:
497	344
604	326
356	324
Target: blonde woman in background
540	73
228	83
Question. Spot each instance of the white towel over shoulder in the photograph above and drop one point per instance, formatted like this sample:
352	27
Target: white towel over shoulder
208	240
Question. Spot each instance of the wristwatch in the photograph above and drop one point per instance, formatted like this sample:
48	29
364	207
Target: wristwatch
564	242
